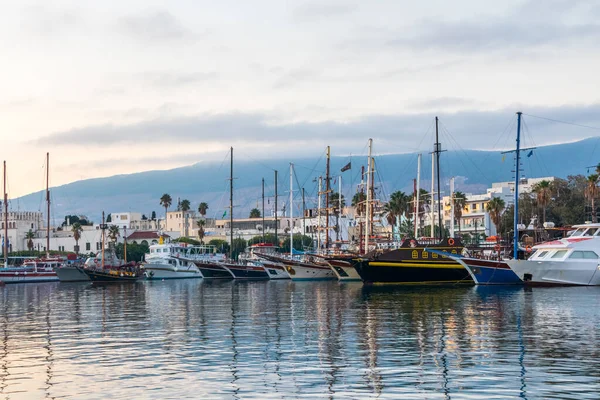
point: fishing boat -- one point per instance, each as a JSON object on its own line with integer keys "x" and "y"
{"x": 176, "y": 260}
{"x": 32, "y": 271}
{"x": 74, "y": 272}
{"x": 573, "y": 260}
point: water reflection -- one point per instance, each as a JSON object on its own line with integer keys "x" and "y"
{"x": 297, "y": 339}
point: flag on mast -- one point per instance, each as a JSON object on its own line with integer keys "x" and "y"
{"x": 346, "y": 167}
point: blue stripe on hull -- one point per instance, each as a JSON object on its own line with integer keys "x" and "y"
{"x": 495, "y": 276}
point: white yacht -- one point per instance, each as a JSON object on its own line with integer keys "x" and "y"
{"x": 178, "y": 260}
{"x": 275, "y": 269}
{"x": 574, "y": 260}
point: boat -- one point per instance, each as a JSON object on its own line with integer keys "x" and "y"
{"x": 569, "y": 261}
{"x": 303, "y": 268}
{"x": 276, "y": 270}
{"x": 343, "y": 268}
{"x": 74, "y": 272}
{"x": 246, "y": 271}
{"x": 32, "y": 271}
{"x": 124, "y": 273}
{"x": 176, "y": 260}
{"x": 213, "y": 270}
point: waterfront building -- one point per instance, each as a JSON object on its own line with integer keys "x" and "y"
{"x": 19, "y": 223}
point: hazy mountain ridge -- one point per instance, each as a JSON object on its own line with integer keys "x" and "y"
{"x": 140, "y": 192}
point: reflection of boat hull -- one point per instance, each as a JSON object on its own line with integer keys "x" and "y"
{"x": 103, "y": 275}
{"x": 344, "y": 270}
{"x": 556, "y": 273}
{"x": 71, "y": 274}
{"x": 213, "y": 271}
{"x": 249, "y": 272}
{"x": 167, "y": 271}
{"x": 26, "y": 275}
{"x": 489, "y": 272}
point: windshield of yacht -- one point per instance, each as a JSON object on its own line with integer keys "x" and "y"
{"x": 579, "y": 232}
{"x": 559, "y": 254}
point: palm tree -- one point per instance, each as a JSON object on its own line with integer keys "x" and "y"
{"x": 185, "y": 205}
{"x": 460, "y": 202}
{"x": 543, "y": 191}
{"x": 591, "y": 192}
{"x": 398, "y": 204}
{"x": 334, "y": 202}
{"x": 166, "y": 202}
{"x": 358, "y": 202}
{"x": 495, "y": 207}
{"x": 201, "y": 223}
{"x": 254, "y": 213}
{"x": 77, "y": 229}
{"x": 29, "y": 236}
{"x": 202, "y": 207}
{"x": 113, "y": 232}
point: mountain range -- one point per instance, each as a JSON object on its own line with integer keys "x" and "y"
{"x": 209, "y": 182}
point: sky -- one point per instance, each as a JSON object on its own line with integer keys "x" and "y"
{"x": 120, "y": 87}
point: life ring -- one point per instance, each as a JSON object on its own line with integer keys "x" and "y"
{"x": 451, "y": 242}
{"x": 413, "y": 243}
{"x": 497, "y": 247}
{"x": 528, "y": 248}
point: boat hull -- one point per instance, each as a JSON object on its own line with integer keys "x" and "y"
{"x": 107, "y": 276}
{"x": 14, "y": 275}
{"x": 489, "y": 272}
{"x": 71, "y": 274}
{"x": 344, "y": 271}
{"x": 167, "y": 271}
{"x": 248, "y": 272}
{"x": 275, "y": 271}
{"x": 213, "y": 271}
{"x": 309, "y": 273}
{"x": 557, "y": 273}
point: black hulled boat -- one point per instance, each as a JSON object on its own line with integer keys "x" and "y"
{"x": 211, "y": 270}
{"x": 250, "y": 272}
{"x": 412, "y": 264}
{"x": 123, "y": 273}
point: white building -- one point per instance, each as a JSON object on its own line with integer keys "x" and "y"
{"x": 18, "y": 224}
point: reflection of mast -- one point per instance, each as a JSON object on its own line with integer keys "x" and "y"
{"x": 234, "y": 361}
{"x": 50, "y": 356}
{"x": 48, "y": 204}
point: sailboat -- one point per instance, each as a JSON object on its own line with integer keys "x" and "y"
{"x": 33, "y": 270}
{"x": 412, "y": 262}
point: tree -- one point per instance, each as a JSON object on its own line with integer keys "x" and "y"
{"x": 358, "y": 202}
{"x": 460, "y": 202}
{"x": 201, "y": 232}
{"x": 543, "y": 191}
{"x": 239, "y": 246}
{"x": 166, "y": 202}
{"x": 254, "y": 213}
{"x": 268, "y": 238}
{"x": 495, "y": 207}
{"x": 29, "y": 236}
{"x": 153, "y": 216}
{"x": 202, "y": 208}
{"x": 113, "y": 232}
{"x": 144, "y": 218}
{"x": 398, "y": 204}
{"x": 301, "y": 243}
{"x": 187, "y": 240}
{"x": 185, "y": 205}
{"x": 591, "y": 192}
{"x": 77, "y": 229}
{"x": 135, "y": 251}
{"x": 221, "y": 245}
{"x": 334, "y": 202}
{"x": 108, "y": 218}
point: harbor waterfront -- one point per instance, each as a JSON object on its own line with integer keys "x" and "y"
{"x": 285, "y": 339}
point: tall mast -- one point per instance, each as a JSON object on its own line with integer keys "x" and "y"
{"x": 276, "y": 222}
{"x": 368, "y": 208}
{"x": 304, "y": 219}
{"x": 48, "y": 203}
{"x": 432, "y": 199}
{"x": 452, "y": 207}
{"x": 291, "y": 209}
{"x": 372, "y": 190}
{"x": 5, "y": 241}
{"x": 327, "y": 189}
{"x": 319, "y": 212}
{"x": 417, "y": 199}
{"x": 337, "y": 220}
{"x": 517, "y": 161}
{"x": 231, "y": 204}
{"x": 125, "y": 244}
{"x": 438, "y": 149}
{"x": 263, "y": 209}
{"x": 103, "y": 227}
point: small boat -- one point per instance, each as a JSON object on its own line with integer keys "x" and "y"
{"x": 32, "y": 271}
{"x": 124, "y": 273}
{"x": 246, "y": 271}
{"x": 343, "y": 267}
{"x": 213, "y": 270}
{"x": 176, "y": 260}
{"x": 276, "y": 270}
{"x": 573, "y": 260}
{"x": 306, "y": 268}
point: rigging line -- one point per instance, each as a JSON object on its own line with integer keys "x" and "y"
{"x": 445, "y": 130}
{"x": 504, "y": 134}
{"x": 528, "y": 135}
{"x": 564, "y": 122}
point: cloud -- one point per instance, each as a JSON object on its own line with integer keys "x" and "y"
{"x": 395, "y": 133}
{"x": 318, "y": 10}
{"x": 154, "y": 26}
{"x": 177, "y": 79}
{"x": 48, "y": 20}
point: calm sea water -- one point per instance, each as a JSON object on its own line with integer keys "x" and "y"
{"x": 194, "y": 339}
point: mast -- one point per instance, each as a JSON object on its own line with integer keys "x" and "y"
{"x": 337, "y": 220}
{"x": 263, "y": 209}
{"x": 319, "y": 212}
{"x": 5, "y": 241}
{"x": 103, "y": 227}
{"x": 276, "y": 222}
{"x": 291, "y": 209}
{"x": 432, "y": 211}
{"x": 327, "y": 190}
{"x": 304, "y": 218}
{"x": 125, "y": 244}
{"x": 231, "y": 204}
{"x": 417, "y": 200}
{"x": 438, "y": 149}
{"x": 452, "y": 207}
{"x": 48, "y": 203}
{"x": 368, "y": 208}
{"x": 516, "y": 217}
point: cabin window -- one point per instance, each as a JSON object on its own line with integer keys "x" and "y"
{"x": 541, "y": 254}
{"x": 578, "y": 232}
{"x": 559, "y": 254}
{"x": 587, "y": 255}
{"x": 589, "y": 232}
